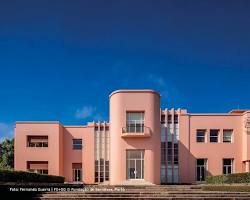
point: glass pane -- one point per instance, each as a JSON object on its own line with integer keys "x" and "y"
{"x": 135, "y": 154}
{"x": 138, "y": 169}
{"x": 213, "y": 139}
{"x": 227, "y": 161}
{"x": 131, "y": 169}
{"x": 224, "y": 170}
{"x": 136, "y": 116}
{"x": 200, "y": 161}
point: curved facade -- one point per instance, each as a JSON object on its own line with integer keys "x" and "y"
{"x": 123, "y": 103}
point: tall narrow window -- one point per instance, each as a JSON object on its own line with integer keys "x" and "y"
{"x": 200, "y": 136}
{"x": 176, "y": 119}
{"x": 77, "y": 144}
{"x": 227, "y": 136}
{"x": 163, "y": 118}
{"x": 227, "y": 166}
{"x": 169, "y": 119}
{"x": 101, "y": 170}
{"x": 201, "y": 169}
{"x": 96, "y": 171}
{"x": 214, "y": 135}
{"x": 135, "y": 122}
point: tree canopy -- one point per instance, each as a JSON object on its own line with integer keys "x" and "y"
{"x": 7, "y": 154}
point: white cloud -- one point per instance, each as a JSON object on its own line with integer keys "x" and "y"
{"x": 85, "y": 112}
{"x": 6, "y": 131}
{"x": 159, "y": 81}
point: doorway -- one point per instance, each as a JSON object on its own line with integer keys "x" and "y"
{"x": 135, "y": 164}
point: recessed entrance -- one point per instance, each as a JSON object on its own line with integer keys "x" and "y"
{"x": 135, "y": 164}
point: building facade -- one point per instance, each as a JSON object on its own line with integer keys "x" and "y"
{"x": 141, "y": 142}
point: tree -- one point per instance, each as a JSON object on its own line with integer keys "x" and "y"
{"x": 7, "y": 154}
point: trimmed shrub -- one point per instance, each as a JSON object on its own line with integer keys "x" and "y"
{"x": 22, "y": 176}
{"x": 229, "y": 178}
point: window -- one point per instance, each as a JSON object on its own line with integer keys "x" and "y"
{"x": 77, "y": 144}
{"x": 96, "y": 171}
{"x": 176, "y": 159}
{"x": 169, "y": 148}
{"x": 169, "y": 119}
{"x": 200, "y": 136}
{"x": 40, "y": 167}
{"x": 101, "y": 128}
{"x": 106, "y": 170}
{"x": 227, "y": 136}
{"x": 135, "y": 122}
{"x": 227, "y": 166}
{"x": 163, "y": 153}
{"x": 214, "y": 135}
{"x": 176, "y": 119}
{"x": 163, "y": 119}
{"x": 37, "y": 141}
{"x": 107, "y": 128}
{"x": 96, "y": 128}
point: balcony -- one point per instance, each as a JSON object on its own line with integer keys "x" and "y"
{"x": 136, "y": 130}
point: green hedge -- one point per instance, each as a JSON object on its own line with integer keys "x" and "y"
{"x": 229, "y": 178}
{"x": 22, "y": 176}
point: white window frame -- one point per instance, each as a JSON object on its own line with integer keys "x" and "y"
{"x": 227, "y": 166}
{"x": 203, "y": 131}
{"x": 231, "y": 136}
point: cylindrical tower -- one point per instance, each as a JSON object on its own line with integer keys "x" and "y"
{"x": 135, "y": 136}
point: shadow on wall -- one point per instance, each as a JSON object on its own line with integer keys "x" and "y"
{"x": 191, "y": 169}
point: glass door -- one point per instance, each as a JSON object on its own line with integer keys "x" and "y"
{"x": 135, "y": 164}
{"x": 77, "y": 175}
{"x": 201, "y": 169}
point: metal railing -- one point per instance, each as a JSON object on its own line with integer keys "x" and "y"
{"x": 135, "y": 128}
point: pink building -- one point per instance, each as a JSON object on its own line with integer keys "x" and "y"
{"x": 140, "y": 143}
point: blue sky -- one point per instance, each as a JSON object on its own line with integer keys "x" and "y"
{"x": 59, "y": 60}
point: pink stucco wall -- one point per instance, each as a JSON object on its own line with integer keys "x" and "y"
{"x": 121, "y": 102}
{"x": 190, "y": 150}
{"x": 60, "y": 154}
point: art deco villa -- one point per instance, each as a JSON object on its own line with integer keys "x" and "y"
{"x": 141, "y": 142}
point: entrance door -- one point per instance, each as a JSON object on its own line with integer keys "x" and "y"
{"x": 77, "y": 175}
{"x": 201, "y": 169}
{"x": 77, "y": 172}
{"x": 135, "y": 164}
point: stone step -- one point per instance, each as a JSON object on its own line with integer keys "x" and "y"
{"x": 149, "y": 198}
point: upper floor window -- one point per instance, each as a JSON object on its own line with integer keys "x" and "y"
{"x": 214, "y": 133}
{"x": 101, "y": 128}
{"x": 77, "y": 144}
{"x": 176, "y": 119}
{"x": 163, "y": 118}
{"x": 169, "y": 119}
{"x": 37, "y": 141}
{"x": 227, "y": 136}
{"x": 96, "y": 128}
{"x": 200, "y": 136}
{"x": 135, "y": 122}
{"x": 227, "y": 166}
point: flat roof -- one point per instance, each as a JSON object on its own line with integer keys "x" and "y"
{"x": 38, "y": 122}
{"x": 135, "y": 91}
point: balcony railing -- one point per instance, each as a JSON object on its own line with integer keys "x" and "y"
{"x": 136, "y": 130}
